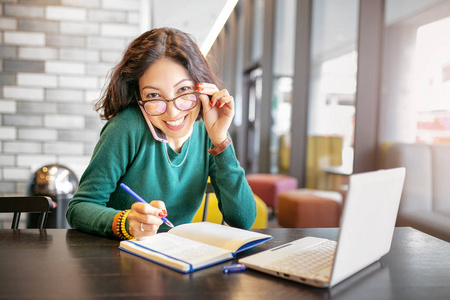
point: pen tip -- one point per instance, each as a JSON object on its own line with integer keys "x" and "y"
{"x": 168, "y": 223}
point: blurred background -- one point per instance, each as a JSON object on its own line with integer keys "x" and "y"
{"x": 321, "y": 86}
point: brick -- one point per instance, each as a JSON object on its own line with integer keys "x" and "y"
{"x": 65, "y": 13}
{"x": 22, "y": 147}
{"x": 94, "y": 123}
{"x": 102, "y": 15}
{"x": 22, "y": 120}
{"x": 79, "y": 55}
{"x": 37, "y": 134}
{"x": 101, "y": 69}
{"x": 24, "y": 38}
{"x": 8, "y": 23}
{"x": 64, "y": 121}
{"x": 16, "y": 173}
{"x": 121, "y": 4}
{"x": 111, "y": 56}
{"x": 8, "y": 133}
{"x": 81, "y": 3}
{"x": 7, "y": 160}
{"x": 119, "y": 30}
{"x": 23, "y": 65}
{"x": 61, "y": 67}
{"x": 27, "y": 107}
{"x": 7, "y": 78}
{"x": 27, "y": 11}
{"x": 63, "y": 148}
{"x": 85, "y": 82}
{"x": 8, "y": 106}
{"x": 8, "y": 51}
{"x": 106, "y": 43}
{"x": 39, "y": 80}
{"x": 65, "y": 41}
{"x": 133, "y": 18}
{"x": 77, "y": 109}
{"x": 79, "y": 28}
{"x": 89, "y": 148}
{"x": 41, "y": 53}
{"x": 77, "y": 164}
{"x": 23, "y": 93}
{"x": 92, "y": 97}
{"x": 60, "y": 95}
{"x": 35, "y": 161}
{"x": 7, "y": 187}
{"x": 78, "y": 135}
{"x": 38, "y": 25}
{"x": 40, "y": 2}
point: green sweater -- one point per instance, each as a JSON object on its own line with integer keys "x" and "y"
{"x": 126, "y": 152}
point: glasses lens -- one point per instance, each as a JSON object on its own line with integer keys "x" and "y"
{"x": 186, "y": 102}
{"x": 155, "y": 107}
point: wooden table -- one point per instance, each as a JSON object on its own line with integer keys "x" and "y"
{"x": 68, "y": 264}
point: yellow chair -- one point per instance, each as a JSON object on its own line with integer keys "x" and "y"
{"x": 214, "y": 215}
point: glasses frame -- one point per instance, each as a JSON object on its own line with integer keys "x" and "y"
{"x": 142, "y": 103}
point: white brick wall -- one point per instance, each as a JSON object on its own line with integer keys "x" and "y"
{"x": 82, "y": 82}
{"x": 39, "y": 53}
{"x": 24, "y": 38}
{"x": 8, "y": 23}
{"x": 23, "y": 93}
{"x": 56, "y": 55}
{"x": 64, "y": 95}
{"x": 119, "y": 30}
{"x": 38, "y": 80}
{"x": 64, "y": 121}
{"x": 65, "y": 13}
{"x": 8, "y": 133}
{"x": 8, "y": 106}
{"x": 38, "y": 134}
{"x": 65, "y": 67}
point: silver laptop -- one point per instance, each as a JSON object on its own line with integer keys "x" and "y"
{"x": 365, "y": 235}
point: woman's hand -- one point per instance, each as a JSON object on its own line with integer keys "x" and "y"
{"x": 217, "y": 112}
{"x": 144, "y": 219}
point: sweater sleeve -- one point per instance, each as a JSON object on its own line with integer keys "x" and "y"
{"x": 89, "y": 210}
{"x": 235, "y": 197}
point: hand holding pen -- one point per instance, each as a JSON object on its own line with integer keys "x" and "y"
{"x": 144, "y": 220}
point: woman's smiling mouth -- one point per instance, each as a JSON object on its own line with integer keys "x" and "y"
{"x": 176, "y": 123}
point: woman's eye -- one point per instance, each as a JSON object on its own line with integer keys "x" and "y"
{"x": 185, "y": 89}
{"x": 152, "y": 96}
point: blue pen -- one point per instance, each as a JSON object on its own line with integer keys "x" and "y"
{"x": 138, "y": 198}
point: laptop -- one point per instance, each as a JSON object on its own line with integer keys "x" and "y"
{"x": 365, "y": 235}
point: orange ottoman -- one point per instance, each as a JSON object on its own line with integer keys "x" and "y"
{"x": 305, "y": 208}
{"x": 269, "y": 186}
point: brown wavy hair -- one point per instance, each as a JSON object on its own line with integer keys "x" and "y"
{"x": 123, "y": 85}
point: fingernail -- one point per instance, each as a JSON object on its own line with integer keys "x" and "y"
{"x": 220, "y": 105}
{"x": 210, "y": 103}
{"x": 199, "y": 89}
{"x": 162, "y": 214}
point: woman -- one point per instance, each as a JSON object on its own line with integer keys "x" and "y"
{"x": 166, "y": 134}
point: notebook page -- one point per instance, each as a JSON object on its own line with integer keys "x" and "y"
{"x": 225, "y": 237}
{"x": 192, "y": 252}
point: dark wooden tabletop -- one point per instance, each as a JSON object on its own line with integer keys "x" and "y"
{"x": 68, "y": 264}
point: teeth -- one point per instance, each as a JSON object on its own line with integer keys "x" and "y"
{"x": 175, "y": 123}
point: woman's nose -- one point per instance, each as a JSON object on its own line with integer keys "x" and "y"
{"x": 171, "y": 109}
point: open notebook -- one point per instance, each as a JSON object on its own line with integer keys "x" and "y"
{"x": 365, "y": 235}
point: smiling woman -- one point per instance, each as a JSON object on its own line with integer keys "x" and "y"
{"x": 167, "y": 132}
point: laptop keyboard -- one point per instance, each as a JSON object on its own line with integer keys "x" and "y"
{"x": 307, "y": 263}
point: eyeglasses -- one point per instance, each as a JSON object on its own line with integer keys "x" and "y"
{"x": 158, "y": 106}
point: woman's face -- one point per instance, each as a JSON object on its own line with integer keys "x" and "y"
{"x": 168, "y": 79}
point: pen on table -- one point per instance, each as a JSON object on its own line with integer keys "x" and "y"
{"x": 138, "y": 198}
